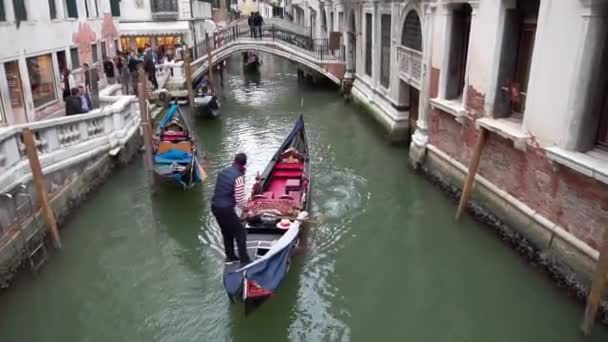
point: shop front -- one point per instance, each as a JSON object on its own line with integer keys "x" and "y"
{"x": 137, "y": 35}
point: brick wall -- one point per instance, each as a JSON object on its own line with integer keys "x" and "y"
{"x": 576, "y": 202}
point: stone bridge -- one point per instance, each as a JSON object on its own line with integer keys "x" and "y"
{"x": 279, "y": 38}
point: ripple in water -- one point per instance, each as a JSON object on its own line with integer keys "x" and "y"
{"x": 339, "y": 197}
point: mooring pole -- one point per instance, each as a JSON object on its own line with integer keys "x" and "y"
{"x": 188, "y": 69}
{"x": 468, "y": 185}
{"x": 146, "y": 125}
{"x": 598, "y": 286}
{"x": 209, "y": 57}
{"x": 43, "y": 196}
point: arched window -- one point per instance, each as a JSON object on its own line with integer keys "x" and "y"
{"x": 411, "y": 36}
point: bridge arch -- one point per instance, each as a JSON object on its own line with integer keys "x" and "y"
{"x": 325, "y": 68}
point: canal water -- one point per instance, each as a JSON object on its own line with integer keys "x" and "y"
{"x": 387, "y": 263}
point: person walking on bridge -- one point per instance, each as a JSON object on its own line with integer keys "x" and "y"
{"x": 258, "y": 21}
{"x": 228, "y": 197}
{"x": 252, "y": 32}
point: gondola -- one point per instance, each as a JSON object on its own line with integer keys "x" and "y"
{"x": 174, "y": 151}
{"x": 273, "y": 221}
{"x": 251, "y": 61}
{"x": 205, "y": 102}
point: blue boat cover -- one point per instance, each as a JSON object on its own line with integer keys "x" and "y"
{"x": 170, "y": 113}
{"x": 267, "y": 271}
{"x": 173, "y": 156}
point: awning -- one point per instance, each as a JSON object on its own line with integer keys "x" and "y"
{"x": 159, "y": 28}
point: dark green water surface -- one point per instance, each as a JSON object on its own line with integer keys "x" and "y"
{"x": 387, "y": 264}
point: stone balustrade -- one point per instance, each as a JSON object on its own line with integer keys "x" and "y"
{"x": 64, "y": 141}
{"x": 410, "y": 65}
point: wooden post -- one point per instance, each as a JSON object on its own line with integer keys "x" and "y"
{"x": 188, "y": 69}
{"x": 598, "y": 286}
{"x": 145, "y": 118}
{"x": 468, "y": 185}
{"x": 209, "y": 58}
{"x": 43, "y": 196}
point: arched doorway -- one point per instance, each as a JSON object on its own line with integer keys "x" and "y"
{"x": 351, "y": 63}
{"x": 411, "y": 49}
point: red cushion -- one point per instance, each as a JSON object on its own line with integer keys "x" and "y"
{"x": 287, "y": 174}
{"x": 287, "y": 166}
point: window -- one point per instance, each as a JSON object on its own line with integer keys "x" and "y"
{"x": 20, "y": 10}
{"x": 459, "y": 46}
{"x": 104, "y": 52}
{"x": 15, "y": 90}
{"x": 94, "y": 53}
{"x": 116, "y": 46}
{"x": 52, "y": 9}
{"x": 341, "y": 21}
{"x": 2, "y": 11}
{"x": 86, "y": 8}
{"x": 96, "y": 8}
{"x": 331, "y": 22}
{"x": 115, "y": 8}
{"x": 385, "y": 50}
{"x": 61, "y": 60}
{"x": 516, "y": 58}
{"x": 42, "y": 83}
{"x": 602, "y": 136}
{"x": 71, "y": 9}
{"x": 75, "y": 58}
{"x": 411, "y": 37}
{"x": 368, "y": 44}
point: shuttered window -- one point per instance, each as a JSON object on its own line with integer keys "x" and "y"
{"x": 52, "y": 9}
{"x": 385, "y": 50}
{"x": 2, "y": 11}
{"x": 20, "y": 10}
{"x": 411, "y": 36}
{"x": 368, "y": 44}
{"x": 115, "y": 8}
{"x": 71, "y": 8}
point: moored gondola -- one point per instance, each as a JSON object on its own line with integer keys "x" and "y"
{"x": 175, "y": 152}
{"x": 206, "y": 103}
{"x": 274, "y": 215}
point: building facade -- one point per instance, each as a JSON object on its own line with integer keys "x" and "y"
{"x": 441, "y": 71}
{"x": 164, "y": 23}
{"x": 42, "y": 38}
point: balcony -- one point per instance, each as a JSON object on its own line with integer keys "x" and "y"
{"x": 164, "y": 9}
{"x": 410, "y": 65}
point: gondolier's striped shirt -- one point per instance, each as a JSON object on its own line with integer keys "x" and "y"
{"x": 239, "y": 192}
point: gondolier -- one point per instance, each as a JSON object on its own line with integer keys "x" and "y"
{"x": 229, "y": 195}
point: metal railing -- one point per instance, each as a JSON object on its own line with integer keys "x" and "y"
{"x": 317, "y": 48}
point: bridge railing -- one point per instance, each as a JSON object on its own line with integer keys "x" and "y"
{"x": 317, "y": 48}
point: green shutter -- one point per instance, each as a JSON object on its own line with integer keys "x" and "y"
{"x": 20, "y": 11}
{"x": 2, "y": 12}
{"x": 52, "y": 9}
{"x": 115, "y": 7}
{"x": 72, "y": 9}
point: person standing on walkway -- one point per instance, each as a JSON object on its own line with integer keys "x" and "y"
{"x": 150, "y": 68}
{"x": 258, "y": 21}
{"x": 123, "y": 74}
{"x": 73, "y": 103}
{"x": 250, "y": 22}
{"x": 229, "y": 196}
{"x": 108, "y": 69}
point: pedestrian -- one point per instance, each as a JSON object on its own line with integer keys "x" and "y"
{"x": 73, "y": 103}
{"x": 252, "y": 32}
{"x": 258, "y": 21}
{"x": 229, "y": 196}
{"x": 87, "y": 76}
{"x": 150, "y": 68}
{"x": 108, "y": 69}
{"x": 123, "y": 74}
{"x": 133, "y": 66}
{"x": 68, "y": 81}
{"x": 85, "y": 99}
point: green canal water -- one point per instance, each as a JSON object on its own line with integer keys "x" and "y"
{"x": 388, "y": 263}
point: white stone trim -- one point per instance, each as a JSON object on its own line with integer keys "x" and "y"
{"x": 592, "y": 164}
{"x": 452, "y": 107}
{"x": 508, "y": 128}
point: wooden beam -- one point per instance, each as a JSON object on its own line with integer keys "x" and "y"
{"x": 188, "y": 70}
{"x": 146, "y": 124}
{"x": 598, "y": 286}
{"x": 473, "y": 166}
{"x": 43, "y": 197}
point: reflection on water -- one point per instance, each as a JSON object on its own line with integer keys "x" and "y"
{"x": 386, "y": 263}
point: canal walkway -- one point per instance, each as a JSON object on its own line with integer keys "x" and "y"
{"x": 389, "y": 263}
